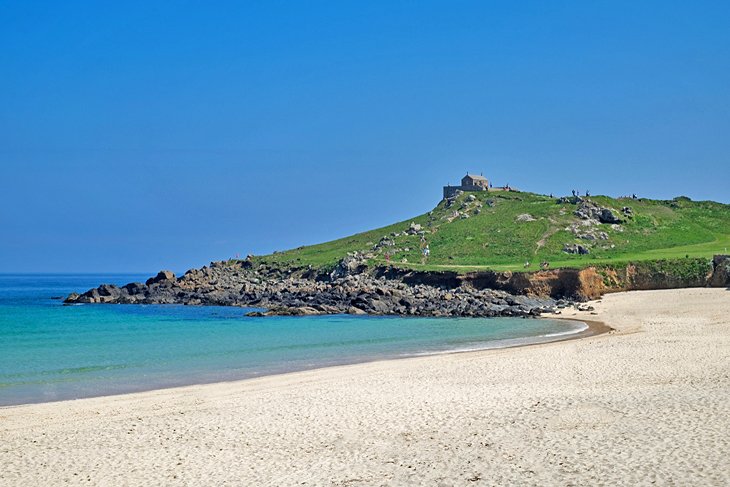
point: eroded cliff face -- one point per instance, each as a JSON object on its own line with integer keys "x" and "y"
{"x": 663, "y": 274}
{"x": 583, "y": 284}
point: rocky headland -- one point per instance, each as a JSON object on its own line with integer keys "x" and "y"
{"x": 355, "y": 288}
{"x": 348, "y": 289}
{"x": 375, "y": 272}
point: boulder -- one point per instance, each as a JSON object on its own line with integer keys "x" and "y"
{"x": 161, "y": 276}
{"x": 352, "y": 264}
{"x": 592, "y": 236}
{"x": 326, "y": 309}
{"x": 414, "y": 228}
{"x": 576, "y": 249}
{"x": 109, "y": 290}
{"x": 135, "y": 288}
{"x": 90, "y": 296}
{"x": 525, "y": 217}
{"x": 384, "y": 242}
{"x": 607, "y": 216}
{"x": 721, "y": 271}
{"x": 306, "y": 311}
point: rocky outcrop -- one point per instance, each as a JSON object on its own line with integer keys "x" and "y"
{"x": 592, "y": 220}
{"x": 589, "y": 210}
{"x": 355, "y": 263}
{"x": 348, "y": 289}
{"x": 353, "y": 288}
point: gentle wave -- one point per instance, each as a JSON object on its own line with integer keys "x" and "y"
{"x": 66, "y": 371}
{"x": 506, "y": 343}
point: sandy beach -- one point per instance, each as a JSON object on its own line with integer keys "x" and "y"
{"x": 648, "y": 403}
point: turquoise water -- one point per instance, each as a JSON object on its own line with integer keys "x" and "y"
{"x": 50, "y": 352}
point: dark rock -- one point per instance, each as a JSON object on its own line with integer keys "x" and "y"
{"x": 350, "y": 265}
{"x": 414, "y": 228}
{"x": 135, "y": 288}
{"x": 109, "y": 290}
{"x": 349, "y": 290}
{"x": 607, "y": 216}
{"x": 161, "y": 276}
{"x": 576, "y": 249}
{"x": 72, "y": 298}
{"x": 720, "y": 271}
{"x": 573, "y": 200}
{"x": 588, "y": 210}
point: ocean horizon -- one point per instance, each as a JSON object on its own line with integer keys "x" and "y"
{"x": 51, "y": 352}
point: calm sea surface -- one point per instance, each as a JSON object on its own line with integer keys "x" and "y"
{"x": 49, "y": 351}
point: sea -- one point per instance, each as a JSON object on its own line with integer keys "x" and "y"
{"x": 50, "y": 351}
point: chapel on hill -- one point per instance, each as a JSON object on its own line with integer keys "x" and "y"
{"x": 470, "y": 182}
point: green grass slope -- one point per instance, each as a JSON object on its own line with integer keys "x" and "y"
{"x": 483, "y": 230}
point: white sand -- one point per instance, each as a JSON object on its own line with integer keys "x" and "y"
{"x": 649, "y": 403}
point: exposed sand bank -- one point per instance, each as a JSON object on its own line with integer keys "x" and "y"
{"x": 647, "y": 403}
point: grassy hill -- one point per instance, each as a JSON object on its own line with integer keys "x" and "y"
{"x": 504, "y": 230}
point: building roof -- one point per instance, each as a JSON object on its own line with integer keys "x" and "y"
{"x": 474, "y": 176}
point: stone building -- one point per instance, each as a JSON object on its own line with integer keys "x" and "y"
{"x": 470, "y": 182}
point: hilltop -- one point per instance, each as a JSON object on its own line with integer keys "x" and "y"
{"x": 505, "y": 230}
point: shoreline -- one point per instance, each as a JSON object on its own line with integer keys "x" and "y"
{"x": 649, "y": 405}
{"x": 594, "y": 328}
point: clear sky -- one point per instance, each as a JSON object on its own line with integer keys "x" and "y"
{"x": 136, "y": 136}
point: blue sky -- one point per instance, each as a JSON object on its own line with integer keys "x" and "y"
{"x": 135, "y": 137}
